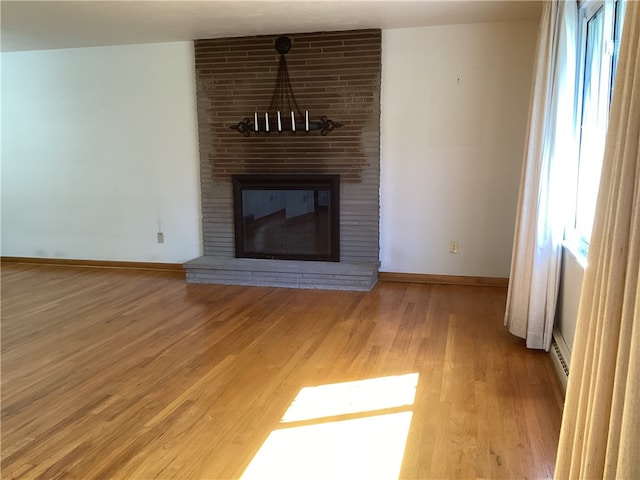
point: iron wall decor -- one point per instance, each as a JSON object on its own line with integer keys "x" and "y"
{"x": 283, "y": 114}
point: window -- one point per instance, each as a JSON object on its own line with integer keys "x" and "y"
{"x": 599, "y": 33}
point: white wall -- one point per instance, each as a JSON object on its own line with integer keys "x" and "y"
{"x": 454, "y": 107}
{"x": 99, "y": 152}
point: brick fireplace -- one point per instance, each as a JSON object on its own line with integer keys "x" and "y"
{"x": 332, "y": 73}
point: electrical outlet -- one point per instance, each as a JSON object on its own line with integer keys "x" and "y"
{"x": 453, "y": 246}
{"x": 160, "y": 237}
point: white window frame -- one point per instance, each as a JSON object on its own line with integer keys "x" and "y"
{"x": 576, "y": 240}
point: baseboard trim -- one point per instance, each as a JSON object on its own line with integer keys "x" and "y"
{"x": 443, "y": 279}
{"x": 122, "y": 265}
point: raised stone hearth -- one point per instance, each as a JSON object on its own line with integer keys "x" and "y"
{"x": 282, "y": 273}
{"x": 332, "y": 73}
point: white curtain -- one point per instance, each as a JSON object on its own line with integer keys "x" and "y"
{"x": 542, "y": 206}
{"x": 600, "y": 435}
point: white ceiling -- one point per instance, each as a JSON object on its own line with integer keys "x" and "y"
{"x": 39, "y": 25}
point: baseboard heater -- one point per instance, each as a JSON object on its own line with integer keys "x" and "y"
{"x": 560, "y": 357}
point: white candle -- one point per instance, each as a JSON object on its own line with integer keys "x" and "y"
{"x": 255, "y": 121}
{"x": 306, "y": 120}
{"x": 279, "y": 122}
{"x": 293, "y": 122}
{"x": 266, "y": 121}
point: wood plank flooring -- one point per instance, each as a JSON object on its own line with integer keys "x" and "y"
{"x": 114, "y": 374}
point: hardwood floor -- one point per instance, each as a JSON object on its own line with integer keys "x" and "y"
{"x": 113, "y": 374}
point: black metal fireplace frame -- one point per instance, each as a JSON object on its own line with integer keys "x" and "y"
{"x": 288, "y": 182}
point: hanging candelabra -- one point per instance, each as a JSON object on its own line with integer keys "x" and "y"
{"x": 283, "y": 114}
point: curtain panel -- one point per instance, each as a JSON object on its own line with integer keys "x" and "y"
{"x": 600, "y": 435}
{"x": 542, "y": 207}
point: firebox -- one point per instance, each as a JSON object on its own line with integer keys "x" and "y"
{"x": 287, "y": 217}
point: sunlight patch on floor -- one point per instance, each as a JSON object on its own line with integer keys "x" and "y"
{"x": 352, "y": 397}
{"x": 368, "y": 447}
